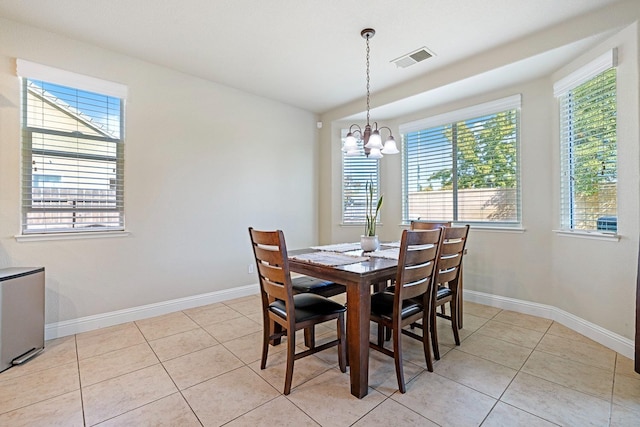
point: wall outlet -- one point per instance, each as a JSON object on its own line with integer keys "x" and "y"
{"x": 251, "y": 268}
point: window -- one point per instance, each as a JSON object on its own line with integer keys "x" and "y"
{"x": 588, "y": 144}
{"x": 463, "y": 166}
{"x": 356, "y": 172}
{"x": 73, "y": 152}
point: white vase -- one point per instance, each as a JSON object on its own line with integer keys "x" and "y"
{"x": 369, "y": 243}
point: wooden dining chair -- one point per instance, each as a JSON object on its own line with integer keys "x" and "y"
{"x": 292, "y": 312}
{"x": 447, "y": 280}
{"x": 429, "y": 225}
{"x": 410, "y": 299}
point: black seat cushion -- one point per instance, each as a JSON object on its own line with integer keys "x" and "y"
{"x": 443, "y": 292}
{"x": 308, "y": 306}
{"x": 326, "y": 288}
{"x": 382, "y": 305}
{"x": 309, "y": 284}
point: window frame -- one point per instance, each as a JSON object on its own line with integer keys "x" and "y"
{"x": 111, "y": 92}
{"x": 454, "y": 117}
{"x": 564, "y": 93}
{"x": 359, "y": 220}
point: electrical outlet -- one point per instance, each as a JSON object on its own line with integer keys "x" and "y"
{"x": 250, "y": 269}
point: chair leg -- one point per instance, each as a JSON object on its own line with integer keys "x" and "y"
{"x": 454, "y": 319}
{"x": 291, "y": 352}
{"x": 387, "y": 334}
{"x": 426, "y": 344}
{"x": 277, "y": 328}
{"x": 342, "y": 344}
{"x": 381, "y": 332}
{"x": 266, "y": 333}
{"x": 434, "y": 334}
{"x": 397, "y": 357}
{"x": 310, "y": 337}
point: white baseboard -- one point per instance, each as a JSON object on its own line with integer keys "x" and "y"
{"x": 597, "y": 333}
{"x": 607, "y": 338}
{"x": 89, "y": 323}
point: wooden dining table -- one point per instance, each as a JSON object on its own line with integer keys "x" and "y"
{"x": 358, "y": 278}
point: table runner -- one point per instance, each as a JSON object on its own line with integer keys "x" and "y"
{"x": 338, "y": 247}
{"x": 328, "y": 258}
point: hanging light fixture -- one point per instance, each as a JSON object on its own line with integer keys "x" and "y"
{"x": 372, "y": 140}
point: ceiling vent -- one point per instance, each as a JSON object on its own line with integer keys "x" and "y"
{"x": 413, "y": 58}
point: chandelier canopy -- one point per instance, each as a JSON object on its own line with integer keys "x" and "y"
{"x": 371, "y": 138}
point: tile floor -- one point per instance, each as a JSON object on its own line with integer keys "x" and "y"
{"x": 201, "y": 367}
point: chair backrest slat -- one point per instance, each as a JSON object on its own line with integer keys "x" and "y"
{"x": 428, "y": 225}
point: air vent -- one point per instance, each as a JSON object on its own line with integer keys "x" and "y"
{"x": 413, "y": 58}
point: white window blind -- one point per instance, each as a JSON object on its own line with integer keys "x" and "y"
{"x": 463, "y": 166}
{"x": 73, "y": 158}
{"x": 588, "y": 144}
{"x": 356, "y": 172}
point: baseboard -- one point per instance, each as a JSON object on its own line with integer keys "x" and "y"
{"x": 89, "y": 323}
{"x": 600, "y": 335}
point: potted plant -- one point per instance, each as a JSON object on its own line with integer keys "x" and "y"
{"x": 369, "y": 240}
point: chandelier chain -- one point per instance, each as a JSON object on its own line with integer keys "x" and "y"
{"x": 367, "y": 38}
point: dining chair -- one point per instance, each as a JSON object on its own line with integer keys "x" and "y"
{"x": 421, "y": 225}
{"x": 447, "y": 282}
{"x": 410, "y": 299}
{"x": 429, "y": 225}
{"x": 283, "y": 312}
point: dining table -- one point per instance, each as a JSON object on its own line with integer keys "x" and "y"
{"x": 359, "y": 272}
{"x": 358, "y": 277}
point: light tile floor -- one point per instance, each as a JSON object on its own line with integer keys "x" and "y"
{"x": 200, "y": 367}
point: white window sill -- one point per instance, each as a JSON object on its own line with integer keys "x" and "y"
{"x": 583, "y": 234}
{"x": 70, "y": 236}
{"x": 496, "y": 229}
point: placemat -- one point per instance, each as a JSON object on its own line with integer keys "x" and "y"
{"x": 392, "y": 253}
{"x": 391, "y": 244}
{"x": 328, "y": 258}
{"x": 338, "y": 247}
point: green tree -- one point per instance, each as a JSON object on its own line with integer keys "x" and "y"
{"x": 486, "y": 154}
{"x": 593, "y": 144}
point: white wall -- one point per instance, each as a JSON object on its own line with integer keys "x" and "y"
{"x": 202, "y": 163}
{"x": 593, "y": 281}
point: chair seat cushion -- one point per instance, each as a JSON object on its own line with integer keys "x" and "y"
{"x": 443, "y": 292}
{"x": 308, "y": 306}
{"x": 382, "y": 305}
{"x": 310, "y": 284}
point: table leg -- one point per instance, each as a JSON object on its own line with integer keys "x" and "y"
{"x": 358, "y": 319}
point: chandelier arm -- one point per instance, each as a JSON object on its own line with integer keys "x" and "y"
{"x": 359, "y": 130}
{"x": 384, "y": 127}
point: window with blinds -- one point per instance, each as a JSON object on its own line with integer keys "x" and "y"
{"x": 356, "y": 172}
{"x": 463, "y": 166}
{"x": 73, "y": 159}
{"x": 588, "y": 146}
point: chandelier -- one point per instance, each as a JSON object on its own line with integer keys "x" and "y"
{"x": 371, "y": 138}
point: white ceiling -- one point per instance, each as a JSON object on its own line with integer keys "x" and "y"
{"x": 305, "y": 53}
